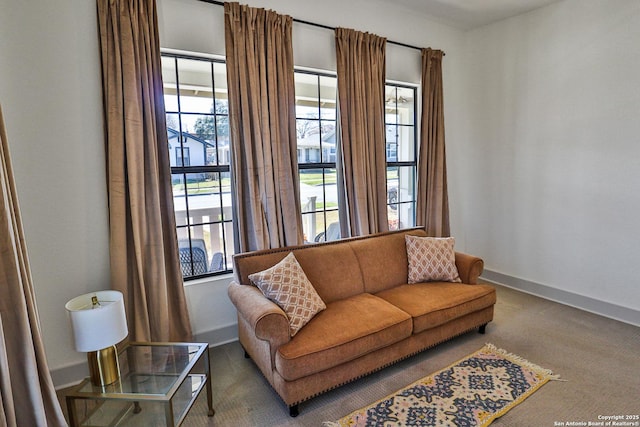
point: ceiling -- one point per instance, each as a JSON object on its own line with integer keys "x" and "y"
{"x": 469, "y": 14}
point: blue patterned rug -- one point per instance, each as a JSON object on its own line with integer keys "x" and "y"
{"x": 472, "y": 392}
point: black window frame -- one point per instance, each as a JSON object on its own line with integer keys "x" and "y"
{"x": 186, "y": 170}
{"x": 395, "y": 205}
{"x": 324, "y": 166}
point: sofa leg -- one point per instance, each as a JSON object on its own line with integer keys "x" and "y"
{"x": 246, "y": 355}
{"x": 482, "y": 329}
{"x": 294, "y": 411}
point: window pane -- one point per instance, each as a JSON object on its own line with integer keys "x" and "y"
{"x": 328, "y": 141}
{"x": 225, "y": 195}
{"x": 222, "y": 129}
{"x": 311, "y": 189}
{"x": 328, "y": 96}
{"x": 179, "y": 198}
{"x": 316, "y": 114}
{"x": 202, "y": 203}
{"x": 308, "y": 134}
{"x": 313, "y": 225}
{"x": 173, "y": 136}
{"x": 169, "y": 84}
{"x": 333, "y": 225}
{"x": 218, "y": 239}
{"x": 330, "y": 200}
{"x": 227, "y": 228}
{"x": 206, "y": 193}
{"x": 220, "y": 81}
{"x": 319, "y": 201}
{"x": 195, "y": 86}
{"x": 390, "y": 112}
{"x": 401, "y": 196}
{"x": 405, "y": 182}
{"x": 405, "y": 104}
{"x": 194, "y": 257}
{"x": 173, "y": 123}
{"x": 201, "y": 126}
{"x": 406, "y": 150}
{"x": 188, "y": 149}
{"x": 306, "y": 88}
{"x": 392, "y": 143}
{"x": 198, "y": 137}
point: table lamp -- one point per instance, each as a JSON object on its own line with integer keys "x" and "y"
{"x": 99, "y": 322}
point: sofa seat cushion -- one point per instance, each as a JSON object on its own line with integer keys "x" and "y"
{"x": 345, "y": 330}
{"x": 435, "y": 303}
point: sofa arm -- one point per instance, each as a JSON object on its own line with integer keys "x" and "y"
{"x": 268, "y": 321}
{"x": 469, "y": 267}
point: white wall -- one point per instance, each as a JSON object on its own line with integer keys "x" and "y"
{"x": 550, "y": 192}
{"x": 314, "y": 47}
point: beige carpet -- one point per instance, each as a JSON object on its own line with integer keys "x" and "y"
{"x": 599, "y": 358}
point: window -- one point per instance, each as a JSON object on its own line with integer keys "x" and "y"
{"x": 197, "y": 109}
{"x": 400, "y": 120}
{"x": 316, "y": 100}
{"x": 195, "y": 96}
{"x": 182, "y": 156}
{"x": 316, "y": 136}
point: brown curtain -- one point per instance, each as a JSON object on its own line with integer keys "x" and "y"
{"x": 361, "y": 144}
{"x": 27, "y": 396}
{"x": 432, "y": 205}
{"x": 143, "y": 242}
{"x": 262, "y": 128}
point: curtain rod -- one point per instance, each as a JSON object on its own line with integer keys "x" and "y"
{"x": 326, "y": 27}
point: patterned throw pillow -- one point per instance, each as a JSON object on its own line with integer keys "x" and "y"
{"x": 286, "y": 284}
{"x": 431, "y": 259}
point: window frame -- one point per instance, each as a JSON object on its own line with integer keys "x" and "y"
{"x": 413, "y": 163}
{"x": 323, "y": 165}
{"x": 408, "y": 203}
{"x": 186, "y": 170}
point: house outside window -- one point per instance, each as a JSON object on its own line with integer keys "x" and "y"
{"x": 196, "y": 103}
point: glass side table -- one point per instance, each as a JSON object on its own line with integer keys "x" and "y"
{"x": 159, "y": 384}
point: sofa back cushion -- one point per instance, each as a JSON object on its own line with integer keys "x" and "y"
{"x": 332, "y": 268}
{"x": 383, "y": 259}
{"x": 342, "y": 268}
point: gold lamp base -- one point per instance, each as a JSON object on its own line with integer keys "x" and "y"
{"x": 103, "y": 366}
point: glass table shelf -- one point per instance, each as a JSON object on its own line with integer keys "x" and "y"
{"x": 159, "y": 384}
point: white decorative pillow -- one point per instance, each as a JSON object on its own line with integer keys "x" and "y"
{"x": 286, "y": 284}
{"x": 431, "y": 259}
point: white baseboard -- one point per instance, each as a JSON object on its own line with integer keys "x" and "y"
{"x": 73, "y": 374}
{"x": 592, "y": 305}
{"x": 219, "y": 336}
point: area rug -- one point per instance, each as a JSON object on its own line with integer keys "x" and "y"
{"x": 471, "y": 392}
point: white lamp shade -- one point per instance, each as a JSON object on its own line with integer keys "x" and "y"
{"x": 95, "y": 328}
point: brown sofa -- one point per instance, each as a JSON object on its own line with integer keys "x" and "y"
{"x": 373, "y": 317}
